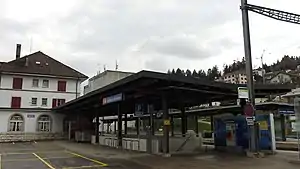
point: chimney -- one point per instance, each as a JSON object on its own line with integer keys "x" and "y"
{"x": 18, "y": 51}
{"x": 26, "y": 61}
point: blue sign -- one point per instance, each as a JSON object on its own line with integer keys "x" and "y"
{"x": 112, "y": 99}
{"x": 286, "y": 112}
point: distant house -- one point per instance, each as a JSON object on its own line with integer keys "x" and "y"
{"x": 282, "y": 78}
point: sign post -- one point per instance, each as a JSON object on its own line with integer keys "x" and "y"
{"x": 243, "y": 93}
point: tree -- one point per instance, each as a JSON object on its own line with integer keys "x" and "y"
{"x": 178, "y": 72}
{"x": 202, "y": 74}
{"x": 188, "y": 72}
{"x": 173, "y": 72}
{"x": 209, "y": 74}
{"x": 258, "y": 78}
{"x": 195, "y": 74}
{"x": 216, "y": 72}
{"x": 226, "y": 69}
{"x": 169, "y": 72}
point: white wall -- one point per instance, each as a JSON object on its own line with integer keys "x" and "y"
{"x": 7, "y": 81}
{"x": 281, "y": 78}
{"x": 104, "y": 79}
{"x": 28, "y": 92}
{"x": 30, "y": 124}
{"x": 6, "y": 95}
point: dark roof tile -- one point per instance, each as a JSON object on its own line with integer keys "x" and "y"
{"x": 40, "y": 63}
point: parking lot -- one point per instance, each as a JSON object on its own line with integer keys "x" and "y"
{"x": 44, "y": 156}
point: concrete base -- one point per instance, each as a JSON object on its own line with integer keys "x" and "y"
{"x": 26, "y": 136}
{"x": 250, "y": 154}
{"x": 166, "y": 155}
{"x": 261, "y": 155}
{"x": 255, "y": 154}
{"x": 295, "y": 161}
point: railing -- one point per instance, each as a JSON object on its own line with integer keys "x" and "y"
{"x": 131, "y": 144}
{"x": 111, "y": 142}
{"x": 184, "y": 143}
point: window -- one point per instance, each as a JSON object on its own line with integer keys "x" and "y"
{"x": 35, "y": 83}
{"x": 17, "y": 83}
{"x": 61, "y": 86}
{"x": 16, "y": 102}
{"x": 34, "y": 101}
{"x": 16, "y": 123}
{"x": 44, "y": 123}
{"x": 45, "y": 83}
{"x": 44, "y": 101}
{"x": 58, "y": 102}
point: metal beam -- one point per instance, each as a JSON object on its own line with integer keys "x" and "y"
{"x": 274, "y": 13}
{"x": 197, "y": 90}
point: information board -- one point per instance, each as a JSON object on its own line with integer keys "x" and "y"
{"x": 243, "y": 93}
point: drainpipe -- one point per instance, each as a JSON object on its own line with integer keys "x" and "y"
{"x": 77, "y": 87}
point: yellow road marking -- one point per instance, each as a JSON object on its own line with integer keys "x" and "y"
{"x": 45, "y": 162}
{"x": 91, "y": 166}
{"x": 81, "y": 156}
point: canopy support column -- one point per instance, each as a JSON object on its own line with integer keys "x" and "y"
{"x": 97, "y": 127}
{"x": 119, "y": 126}
{"x": 166, "y": 125}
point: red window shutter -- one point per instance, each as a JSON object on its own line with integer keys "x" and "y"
{"x": 17, "y": 83}
{"x": 16, "y": 102}
{"x": 61, "y": 86}
{"x": 54, "y": 102}
{"x": 63, "y": 101}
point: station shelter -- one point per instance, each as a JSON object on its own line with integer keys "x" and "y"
{"x": 152, "y": 96}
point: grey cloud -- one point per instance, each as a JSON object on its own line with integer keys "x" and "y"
{"x": 226, "y": 43}
{"x": 157, "y": 64}
{"x": 116, "y": 25}
{"x": 186, "y": 46}
{"x": 99, "y": 32}
{"x": 179, "y": 46}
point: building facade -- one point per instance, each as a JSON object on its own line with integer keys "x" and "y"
{"x": 235, "y": 78}
{"x": 29, "y": 87}
{"x": 281, "y": 78}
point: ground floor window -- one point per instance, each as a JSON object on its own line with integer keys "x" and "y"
{"x": 44, "y": 123}
{"x": 16, "y": 123}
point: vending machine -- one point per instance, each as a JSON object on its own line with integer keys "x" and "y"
{"x": 233, "y": 131}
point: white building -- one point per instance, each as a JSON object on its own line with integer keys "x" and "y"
{"x": 105, "y": 78}
{"x": 235, "y": 77}
{"x": 281, "y": 78}
{"x": 29, "y": 87}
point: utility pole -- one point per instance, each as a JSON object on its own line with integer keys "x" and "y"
{"x": 262, "y": 66}
{"x": 271, "y": 13}
{"x": 249, "y": 72}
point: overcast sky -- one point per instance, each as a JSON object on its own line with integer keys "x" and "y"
{"x": 143, "y": 34}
